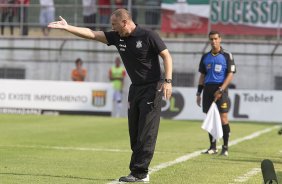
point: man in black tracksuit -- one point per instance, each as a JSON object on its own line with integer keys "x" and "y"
{"x": 139, "y": 49}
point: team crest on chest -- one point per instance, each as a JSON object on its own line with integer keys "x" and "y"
{"x": 138, "y": 44}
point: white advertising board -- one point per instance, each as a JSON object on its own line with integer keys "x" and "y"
{"x": 43, "y": 97}
{"x": 246, "y": 105}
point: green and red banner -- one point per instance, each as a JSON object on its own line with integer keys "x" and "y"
{"x": 230, "y": 17}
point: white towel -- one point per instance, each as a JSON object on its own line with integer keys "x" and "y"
{"x": 212, "y": 123}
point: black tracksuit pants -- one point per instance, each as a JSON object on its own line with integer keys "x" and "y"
{"x": 143, "y": 121}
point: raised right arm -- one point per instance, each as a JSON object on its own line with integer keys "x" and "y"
{"x": 79, "y": 31}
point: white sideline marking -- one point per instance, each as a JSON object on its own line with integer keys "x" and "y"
{"x": 74, "y": 148}
{"x": 197, "y": 153}
{"x": 67, "y": 148}
{"x": 246, "y": 176}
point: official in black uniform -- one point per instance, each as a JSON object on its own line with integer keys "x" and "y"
{"x": 139, "y": 49}
{"x": 216, "y": 68}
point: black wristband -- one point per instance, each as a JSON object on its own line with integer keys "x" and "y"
{"x": 200, "y": 89}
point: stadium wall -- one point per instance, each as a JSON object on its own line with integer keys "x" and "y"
{"x": 258, "y": 62}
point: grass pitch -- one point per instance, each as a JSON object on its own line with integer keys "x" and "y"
{"x": 87, "y": 149}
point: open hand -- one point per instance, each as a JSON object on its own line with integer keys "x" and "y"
{"x": 198, "y": 100}
{"x": 61, "y": 24}
{"x": 167, "y": 90}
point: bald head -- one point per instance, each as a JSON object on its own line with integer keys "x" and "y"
{"x": 122, "y": 14}
{"x": 122, "y": 23}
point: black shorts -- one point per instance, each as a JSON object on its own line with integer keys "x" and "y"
{"x": 223, "y": 104}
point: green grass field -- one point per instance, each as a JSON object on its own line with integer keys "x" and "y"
{"x": 87, "y": 149}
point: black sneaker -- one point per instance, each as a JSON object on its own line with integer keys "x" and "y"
{"x": 131, "y": 178}
{"x": 211, "y": 151}
{"x": 224, "y": 151}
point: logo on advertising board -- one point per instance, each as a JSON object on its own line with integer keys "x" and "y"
{"x": 251, "y": 17}
{"x": 99, "y": 98}
{"x": 172, "y": 107}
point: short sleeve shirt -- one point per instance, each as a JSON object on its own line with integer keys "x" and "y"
{"x": 216, "y": 67}
{"x": 139, "y": 53}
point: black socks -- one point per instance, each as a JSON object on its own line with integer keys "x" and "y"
{"x": 213, "y": 144}
{"x": 226, "y": 131}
